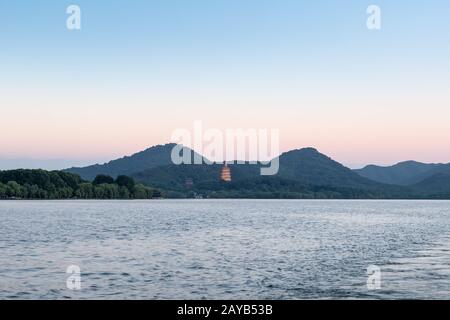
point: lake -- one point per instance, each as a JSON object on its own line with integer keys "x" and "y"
{"x": 225, "y": 249}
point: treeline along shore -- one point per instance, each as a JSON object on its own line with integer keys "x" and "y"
{"x": 42, "y": 184}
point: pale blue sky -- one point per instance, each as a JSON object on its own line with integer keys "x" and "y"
{"x": 140, "y": 69}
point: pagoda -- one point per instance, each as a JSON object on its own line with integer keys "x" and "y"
{"x": 225, "y": 174}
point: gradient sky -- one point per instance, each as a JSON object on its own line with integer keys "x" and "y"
{"x": 138, "y": 70}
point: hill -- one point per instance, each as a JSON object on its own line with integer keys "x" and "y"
{"x": 404, "y": 173}
{"x": 307, "y": 166}
{"x": 303, "y": 173}
{"x": 150, "y": 158}
{"x": 312, "y": 167}
{"x": 437, "y": 186}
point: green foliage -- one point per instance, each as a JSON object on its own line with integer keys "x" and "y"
{"x": 2, "y": 191}
{"x": 102, "y": 178}
{"x": 41, "y": 184}
{"x": 124, "y": 193}
{"x": 303, "y": 174}
{"x": 156, "y": 193}
{"x": 125, "y": 181}
{"x": 85, "y": 191}
{"x": 142, "y": 192}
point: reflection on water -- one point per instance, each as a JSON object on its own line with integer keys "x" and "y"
{"x": 224, "y": 249}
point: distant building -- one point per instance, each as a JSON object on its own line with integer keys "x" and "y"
{"x": 225, "y": 175}
{"x": 189, "y": 183}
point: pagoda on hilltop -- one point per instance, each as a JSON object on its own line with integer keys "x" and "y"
{"x": 225, "y": 174}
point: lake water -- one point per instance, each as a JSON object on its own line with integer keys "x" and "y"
{"x": 224, "y": 249}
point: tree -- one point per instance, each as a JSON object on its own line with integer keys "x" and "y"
{"x": 102, "y": 178}
{"x": 111, "y": 191}
{"x": 141, "y": 192}
{"x": 34, "y": 192}
{"x": 125, "y": 181}
{"x": 85, "y": 191}
{"x": 41, "y": 184}
{"x": 2, "y": 191}
{"x": 99, "y": 191}
{"x": 64, "y": 193}
{"x": 14, "y": 189}
{"x": 156, "y": 193}
{"x": 124, "y": 193}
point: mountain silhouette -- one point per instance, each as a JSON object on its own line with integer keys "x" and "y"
{"x": 436, "y": 186}
{"x": 404, "y": 173}
{"x": 312, "y": 167}
{"x": 156, "y": 156}
{"x": 303, "y": 173}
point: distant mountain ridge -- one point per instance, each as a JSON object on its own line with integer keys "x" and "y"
{"x": 303, "y": 173}
{"x": 403, "y": 173}
{"x": 307, "y": 166}
{"x": 438, "y": 185}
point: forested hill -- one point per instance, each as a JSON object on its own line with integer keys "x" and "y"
{"x": 403, "y": 173}
{"x": 303, "y": 173}
{"x": 153, "y": 157}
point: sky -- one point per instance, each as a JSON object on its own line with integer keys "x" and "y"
{"x": 137, "y": 71}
